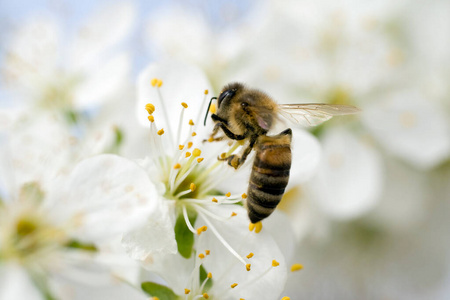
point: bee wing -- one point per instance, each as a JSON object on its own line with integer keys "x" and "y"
{"x": 313, "y": 114}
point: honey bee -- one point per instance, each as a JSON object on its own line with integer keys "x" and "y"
{"x": 247, "y": 115}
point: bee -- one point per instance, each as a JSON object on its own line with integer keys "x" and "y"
{"x": 245, "y": 114}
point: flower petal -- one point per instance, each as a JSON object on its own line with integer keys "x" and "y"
{"x": 107, "y": 194}
{"x": 16, "y": 284}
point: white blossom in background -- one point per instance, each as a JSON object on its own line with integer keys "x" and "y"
{"x": 45, "y": 68}
{"x": 51, "y": 236}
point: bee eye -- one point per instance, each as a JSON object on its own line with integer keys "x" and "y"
{"x": 244, "y": 104}
{"x": 226, "y": 95}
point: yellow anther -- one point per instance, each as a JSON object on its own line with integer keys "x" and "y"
{"x": 184, "y": 104}
{"x": 234, "y": 285}
{"x": 241, "y": 299}
{"x": 213, "y": 108}
{"x": 211, "y": 139}
{"x": 206, "y": 92}
{"x": 244, "y": 196}
{"x": 159, "y": 83}
{"x": 197, "y": 152}
{"x": 192, "y": 186}
{"x": 258, "y": 227}
{"x": 151, "y": 118}
{"x": 154, "y": 82}
{"x": 155, "y": 298}
{"x": 251, "y": 226}
{"x": 205, "y": 295}
{"x": 247, "y": 266}
{"x": 150, "y": 108}
{"x": 161, "y": 131}
{"x": 187, "y": 291}
{"x": 228, "y": 194}
{"x": 214, "y": 200}
{"x": 201, "y": 229}
{"x": 188, "y": 154}
{"x": 233, "y": 214}
{"x": 286, "y": 298}
{"x": 296, "y": 267}
{"x": 177, "y": 166}
{"x": 190, "y": 144}
{"x": 181, "y": 147}
{"x": 194, "y": 133}
{"x": 200, "y": 159}
{"x": 250, "y": 255}
{"x": 191, "y": 122}
{"x": 275, "y": 263}
{"x": 207, "y": 252}
{"x": 223, "y": 155}
{"x": 201, "y": 256}
{"x": 209, "y": 275}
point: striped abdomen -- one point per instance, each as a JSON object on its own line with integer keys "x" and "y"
{"x": 270, "y": 175}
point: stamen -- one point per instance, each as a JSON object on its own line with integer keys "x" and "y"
{"x": 161, "y": 131}
{"x": 228, "y": 194}
{"x": 250, "y": 255}
{"x": 192, "y": 186}
{"x": 154, "y": 81}
{"x": 201, "y": 256}
{"x": 181, "y": 147}
{"x": 190, "y": 145}
{"x": 159, "y": 83}
{"x": 206, "y": 92}
{"x": 201, "y": 229}
{"x": 188, "y": 154}
{"x": 209, "y": 275}
{"x": 181, "y": 122}
{"x": 275, "y": 263}
{"x": 150, "y": 108}
{"x": 197, "y": 152}
{"x": 213, "y": 108}
{"x": 187, "y": 291}
{"x": 205, "y": 295}
{"x": 296, "y": 267}
{"x": 177, "y": 166}
{"x": 234, "y": 285}
{"x": 194, "y": 133}
{"x": 286, "y": 298}
{"x": 244, "y": 196}
{"x": 247, "y": 266}
{"x": 186, "y": 219}
{"x": 256, "y": 226}
{"x": 214, "y": 200}
{"x": 191, "y": 122}
{"x": 151, "y": 118}
{"x": 251, "y": 226}
{"x": 184, "y": 104}
{"x": 207, "y": 252}
{"x": 233, "y": 214}
{"x": 200, "y": 159}
{"x": 221, "y": 239}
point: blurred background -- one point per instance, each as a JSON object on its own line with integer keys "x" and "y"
{"x": 373, "y": 221}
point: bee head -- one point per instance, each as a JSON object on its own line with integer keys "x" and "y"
{"x": 228, "y": 92}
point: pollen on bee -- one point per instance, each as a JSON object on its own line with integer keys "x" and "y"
{"x": 296, "y": 267}
{"x": 247, "y": 266}
{"x": 192, "y": 186}
{"x": 213, "y": 108}
{"x": 150, "y": 108}
{"x": 187, "y": 291}
{"x": 191, "y": 122}
{"x": 275, "y": 263}
{"x": 184, "y": 104}
{"x": 161, "y": 131}
{"x": 177, "y": 166}
{"x": 250, "y": 255}
{"x": 151, "y": 118}
{"x": 234, "y": 285}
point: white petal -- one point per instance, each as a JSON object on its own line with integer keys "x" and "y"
{"x": 103, "y": 82}
{"x": 411, "y": 127}
{"x": 306, "y": 154}
{"x": 16, "y": 284}
{"x": 110, "y": 195}
{"x": 156, "y": 237}
{"x": 110, "y": 25}
{"x": 181, "y": 83}
{"x": 349, "y": 180}
{"x": 225, "y": 267}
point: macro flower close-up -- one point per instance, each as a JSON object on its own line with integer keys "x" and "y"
{"x": 223, "y": 150}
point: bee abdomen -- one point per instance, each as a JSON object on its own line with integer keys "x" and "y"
{"x": 268, "y": 180}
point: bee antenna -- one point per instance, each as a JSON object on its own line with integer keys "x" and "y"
{"x": 206, "y": 116}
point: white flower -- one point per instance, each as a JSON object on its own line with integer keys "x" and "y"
{"x": 48, "y": 235}
{"x": 67, "y": 76}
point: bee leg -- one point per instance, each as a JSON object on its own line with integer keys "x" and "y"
{"x": 212, "y": 137}
{"x": 234, "y": 160}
